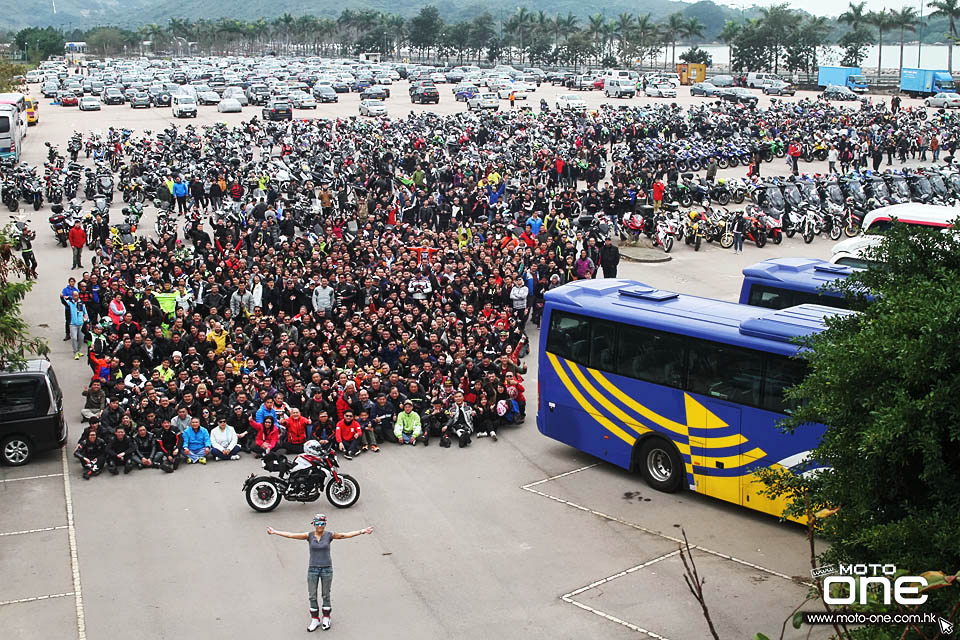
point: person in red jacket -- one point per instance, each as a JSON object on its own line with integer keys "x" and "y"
{"x": 795, "y": 151}
{"x": 658, "y": 189}
{"x": 349, "y": 435}
{"x": 77, "y": 238}
{"x": 267, "y": 436}
{"x": 298, "y": 431}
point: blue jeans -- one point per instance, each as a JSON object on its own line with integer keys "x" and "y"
{"x": 737, "y": 241}
{"x": 409, "y": 439}
{"x": 193, "y": 456}
{"x": 325, "y": 576}
{"x": 217, "y": 455}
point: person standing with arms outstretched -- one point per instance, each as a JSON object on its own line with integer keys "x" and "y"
{"x": 321, "y": 566}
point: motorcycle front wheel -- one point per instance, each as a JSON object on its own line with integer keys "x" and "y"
{"x": 808, "y": 235}
{"x": 851, "y": 230}
{"x": 835, "y": 232}
{"x": 263, "y": 495}
{"x": 777, "y": 238}
{"x": 723, "y": 198}
{"x": 13, "y": 205}
{"x": 726, "y": 240}
{"x": 761, "y": 240}
{"x": 37, "y": 204}
{"x": 696, "y": 243}
{"x": 345, "y": 494}
{"x": 739, "y": 196}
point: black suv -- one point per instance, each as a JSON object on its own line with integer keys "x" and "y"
{"x": 374, "y": 93}
{"x": 31, "y": 412}
{"x": 277, "y": 110}
{"x": 424, "y": 94}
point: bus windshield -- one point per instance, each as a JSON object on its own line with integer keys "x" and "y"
{"x": 685, "y": 390}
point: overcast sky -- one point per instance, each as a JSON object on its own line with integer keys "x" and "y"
{"x": 827, "y": 7}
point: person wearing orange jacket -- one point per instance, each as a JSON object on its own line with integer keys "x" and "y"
{"x": 77, "y": 238}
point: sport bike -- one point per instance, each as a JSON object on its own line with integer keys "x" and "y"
{"x": 315, "y": 475}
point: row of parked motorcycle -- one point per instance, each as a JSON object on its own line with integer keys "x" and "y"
{"x": 806, "y": 205}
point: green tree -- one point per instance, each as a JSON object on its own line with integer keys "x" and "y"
{"x": 949, "y": 9}
{"x": 11, "y": 76}
{"x": 39, "y": 44}
{"x": 425, "y": 29}
{"x": 696, "y": 55}
{"x": 886, "y": 381}
{"x": 883, "y": 20}
{"x": 778, "y": 22}
{"x": 482, "y": 33}
{"x": 729, "y": 35}
{"x": 855, "y": 43}
{"x": 673, "y": 29}
{"x": 16, "y": 343}
{"x": 906, "y": 19}
{"x": 106, "y": 40}
{"x": 855, "y": 15}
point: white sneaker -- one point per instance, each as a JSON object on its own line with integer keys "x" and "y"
{"x": 235, "y": 456}
{"x": 493, "y": 434}
{"x": 482, "y": 434}
{"x": 314, "y": 623}
{"x": 326, "y": 623}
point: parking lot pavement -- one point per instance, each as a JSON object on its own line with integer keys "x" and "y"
{"x": 460, "y": 548}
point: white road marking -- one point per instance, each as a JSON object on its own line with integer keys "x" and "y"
{"x": 18, "y": 533}
{"x": 569, "y": 597}
{"x": 49, "y": 475}
{"x": 36, "y": 598}
{"x": 74, "y": 563}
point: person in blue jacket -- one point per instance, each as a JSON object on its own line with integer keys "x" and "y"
{"x": 180, "y": 193}
{"x": 196, "y": 443}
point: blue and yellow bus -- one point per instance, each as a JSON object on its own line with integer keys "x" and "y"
{"x": 779, "y": 283}
{"x": 685, "y": 390}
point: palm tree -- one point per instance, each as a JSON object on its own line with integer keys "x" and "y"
{"x": 855, "y": 15}
{"x": 778, "y": 20}
{"x": 693, "y": 29}
{"x": 814, "y": 32}
{"x": 949, "y": 9}
{"x": 730, "y": 32}
{"x": 906, "y": 19}
{"x": 673, "y": 28}
{"x": 624, "y": 27}
{"x": 883, "y": 20}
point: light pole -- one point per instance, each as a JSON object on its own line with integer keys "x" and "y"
{"x": 920, "y": 34}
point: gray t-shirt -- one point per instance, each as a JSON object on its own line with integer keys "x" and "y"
{"x": 320, "y": 549}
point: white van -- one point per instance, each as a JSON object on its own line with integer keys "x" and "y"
{"x": 756, "y": 80}
{"x": 34, "y": 76}
{"x": 183, "y": 105}
{"x": 10, "y": 134}
{"x": 619, "y": 87}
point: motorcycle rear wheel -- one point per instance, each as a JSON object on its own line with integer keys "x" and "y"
{"x": 345, "y": 494}
{"x": 264, "y": 495}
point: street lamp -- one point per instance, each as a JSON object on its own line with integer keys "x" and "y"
{"x": 920, "y": 34}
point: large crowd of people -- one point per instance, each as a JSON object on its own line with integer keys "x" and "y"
{"x": 371, "y": 281}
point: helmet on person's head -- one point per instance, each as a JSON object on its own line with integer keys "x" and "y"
{"x": 312, "y": 448}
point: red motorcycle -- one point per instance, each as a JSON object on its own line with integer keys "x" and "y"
{"x": 755, "y": 226}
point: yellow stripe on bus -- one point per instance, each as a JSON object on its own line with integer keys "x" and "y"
{"x": 609, "y": 406}
{"x": 586, "y": 406}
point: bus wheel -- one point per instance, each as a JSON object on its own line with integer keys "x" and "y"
{"x": 660, "y": 465}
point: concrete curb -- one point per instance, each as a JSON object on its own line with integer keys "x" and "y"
{"x": 641, "y": 254}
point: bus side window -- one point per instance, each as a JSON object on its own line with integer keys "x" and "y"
{"x": 724, "y": 372}
{"x": 603, "y": 343}
{"x": 569, "y": 337}
{"x": 653, "y": 356}
{"x": 770, "y": 298}
{"x": 782, "y": 373}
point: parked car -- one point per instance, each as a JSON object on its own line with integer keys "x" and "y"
{"x": 68, "y": 99}
{"x": 89, "y": 103}
{"x": 374, "y": 93}
{"x": 301, "y": 100}
{"x": 779, "y": 88}
{"x": 463, "y": 92}
{"x": 277, "y": 110}
{"x": 373, "y": 108}
{"x": 325, "y": 93}
{"x": 582, "y": 83}
{"x": 31, "y": 412}
{"x": 230, "y": 105}
{"x": 944, "y": 100}
{"x": 619, "y": 88}
{"x": 739, "y": 95}
{"x": 570, "y": 102}
{"x": 705, "y": 89}
{"x": 722, "y": 81}
{"x": 237, "y": 94}
{"x": 419, "y": 83}
{"x": 112, "y": 95}
{"x": 661, "y": 89}
{"x": 425, "y": 94}
{"x": 161, "y": 99}
{"x": 483, "y": 101}
{"x": 208, "y": 97}
{"x": 518, "y": 94}
{"x": 837, "y": 92}
{"x": 50, "y": 90}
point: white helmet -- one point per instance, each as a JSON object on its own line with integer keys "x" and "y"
{"x": 312, "y": 448}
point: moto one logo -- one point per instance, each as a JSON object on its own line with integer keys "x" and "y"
{"x": 855, "y": 580}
